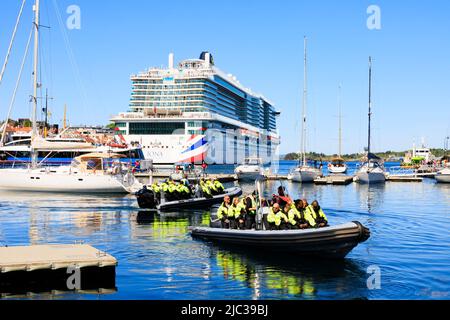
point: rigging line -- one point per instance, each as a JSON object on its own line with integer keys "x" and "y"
{"x": 12, "y": 41}
{"x": 49, "y": 55}
{"x": 43, "y": 64}
{"x": 13, "y": 98}
{"x": 75, "y": 68}
{"x": 41, "y": 59}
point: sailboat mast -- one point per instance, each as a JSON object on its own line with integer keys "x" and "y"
{"x": 35, "y": 67}
{"x": 370, "y": 103}
{"x": 34, "y": 132}
{"x": 65, "y": 118}
{"x": 340, "y": 121}
{"x": 305, "y": 91}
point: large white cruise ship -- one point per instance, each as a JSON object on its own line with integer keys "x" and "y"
{"x": 193, "y": 112}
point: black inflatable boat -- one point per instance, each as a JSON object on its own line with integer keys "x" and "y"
{"x": 146, "y": 200}
{"x": 329, "y": 242}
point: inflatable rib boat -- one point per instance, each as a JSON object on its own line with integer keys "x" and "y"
{"x": 146, "y": 200}
{"x": 329, "y": 242}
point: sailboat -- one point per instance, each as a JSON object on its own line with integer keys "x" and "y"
{"x": 304, "y": 172}
{"x": 90, "y": 173}
{"x": 372, "y": 170}
{"x": 338, "y": 165}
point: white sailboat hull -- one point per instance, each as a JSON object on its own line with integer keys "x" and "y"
{"x": 36, "y": 180}
{"x": 303, "y": 175}
{"x": 371, "y": 176}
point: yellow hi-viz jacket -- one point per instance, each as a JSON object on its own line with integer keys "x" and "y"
{"x": 316, "y": 216}
{"x": 211, "y": 185}
{"x": 276, "y": 218}
{"x": 219, "y": 186}
{"x": 225, "y": 211}
{"x": 295, "y": 215}
{"x": 237, "y": 209}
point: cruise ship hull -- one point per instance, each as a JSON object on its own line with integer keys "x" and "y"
{"x": 172, "y": 149}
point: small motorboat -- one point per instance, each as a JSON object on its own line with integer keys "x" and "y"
{"x": 329, "y": 242}
{"x": 147, "y": 200}
{"x": 443, "y": 176}
{"x": 337, "y": 166}
{"x": 252, "y": 169}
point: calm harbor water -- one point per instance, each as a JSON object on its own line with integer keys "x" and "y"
{"x": 410, "y": 243}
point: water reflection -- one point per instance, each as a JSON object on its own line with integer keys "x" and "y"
{"x": 165, "y": 225}
{"x": 443, "y": 189}
{"x": 72, "y": 217}
{"x": 56, "y": 294}
{"x": 158, "y": 259}
{"x": 272, "y": 275}
{"x": 370, "y": 197}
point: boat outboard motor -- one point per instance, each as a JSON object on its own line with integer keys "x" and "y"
{"x": 214, "y": 220}
{"x": 146, "y": 198}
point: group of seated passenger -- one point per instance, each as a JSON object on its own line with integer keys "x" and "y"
{"x": 239, "y": 213}
{"x": 209, "y": 188}
{"x": 280, "y": 213}
{"x": 293, "y": 215}
{"x": 183, "y": 190}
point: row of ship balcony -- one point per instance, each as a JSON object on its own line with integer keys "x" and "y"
{"x": 180, "y": 74}
{"x": 163, "y": 114}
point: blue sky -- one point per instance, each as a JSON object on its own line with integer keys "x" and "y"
{"x": 261, "y": 42}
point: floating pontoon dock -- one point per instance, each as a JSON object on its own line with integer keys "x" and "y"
{"x": 145, "y": 177}
{"x": 332, "y": 179}
{"x": 47, "y": 267}
{"x": 335, "y": 179}
{"x": 404, "y": 178}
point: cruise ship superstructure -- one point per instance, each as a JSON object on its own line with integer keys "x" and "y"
{"x": 194, "y": 112}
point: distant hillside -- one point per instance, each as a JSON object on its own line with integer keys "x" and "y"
{"x": 355, "y": 156}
